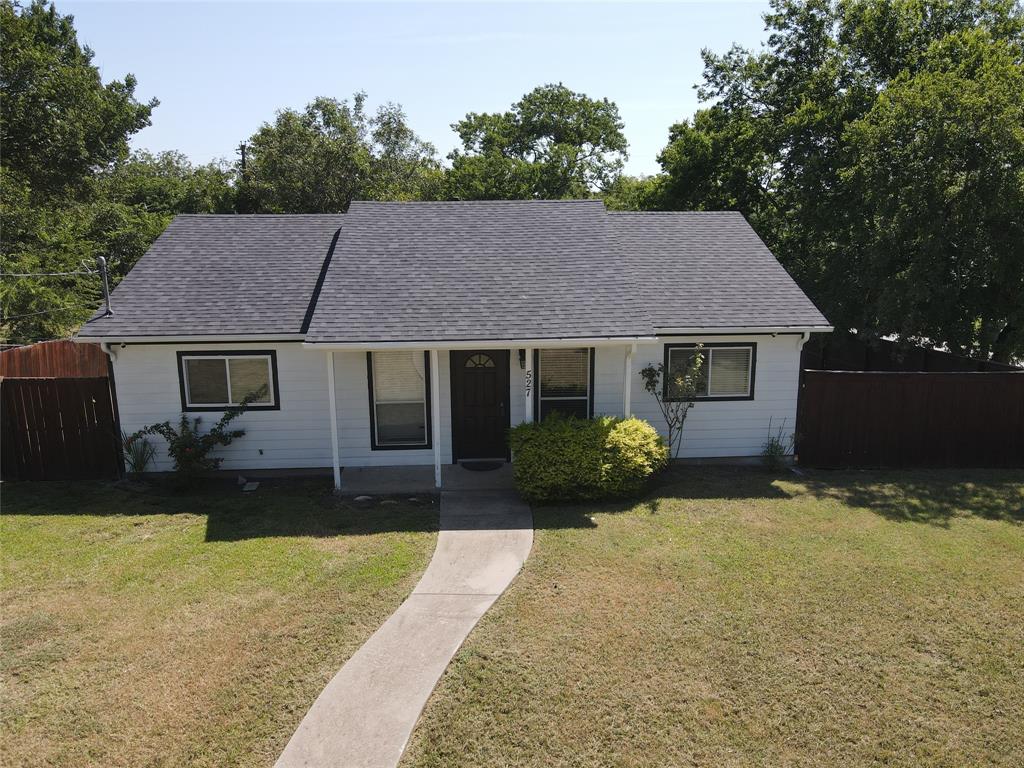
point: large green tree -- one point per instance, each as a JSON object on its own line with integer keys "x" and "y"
{"x": 878, "y": 146}
{"x": 69, "y": 189}
{"x": 58, "y": 120}
{"x": 332, "y": 152}
{"x": 553, "y": 143}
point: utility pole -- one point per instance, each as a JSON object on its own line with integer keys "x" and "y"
{"x": 242, "y": 148}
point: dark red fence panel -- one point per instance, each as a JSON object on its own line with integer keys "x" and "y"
{"x": 842, "y": 352}
{"x": 54, "y": 359}
{"x": 58, "y": 429}
{"x": 851, "y": 419}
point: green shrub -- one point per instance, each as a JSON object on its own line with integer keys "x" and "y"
{"x": 569, "y": 459}
{"x": 190, "y": 449}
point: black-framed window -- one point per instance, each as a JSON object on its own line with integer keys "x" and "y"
{"x": 399, "y": 385}
{"x": 212, "y": 380}
{"x": 727, "y": 372}
{"x": 565, "y": 382}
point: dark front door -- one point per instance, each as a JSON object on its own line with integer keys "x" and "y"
{"x": 480, "y": 417}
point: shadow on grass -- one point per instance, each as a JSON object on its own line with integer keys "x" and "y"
{"x": 926, "y": 496}
{"x": 290, "y": 507}
{"x": 922, "y": 496}
{"x": 279, "y": 507}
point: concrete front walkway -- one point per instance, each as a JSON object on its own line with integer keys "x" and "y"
{"x": 364, "y": 717}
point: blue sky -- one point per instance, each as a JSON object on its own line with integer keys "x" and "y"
{"x": 222, "y": 69}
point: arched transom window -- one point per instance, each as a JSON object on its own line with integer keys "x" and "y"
{"x": 479, "y": 361}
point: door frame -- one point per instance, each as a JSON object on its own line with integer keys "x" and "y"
{"x": 454, "y": 385}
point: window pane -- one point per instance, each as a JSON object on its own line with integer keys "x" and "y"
{"x": 564, "y": 372}
{"x": 250, "y": 374}
{"x": 730, "y": 372}
{"x": 576, "y": 408}
{"x": 207, "y": 381}
{"x": 399, "y": 387}
{"x": 398, "y": 377}
{"x": 679, "y": 361}
{"x": 401, "y": 423}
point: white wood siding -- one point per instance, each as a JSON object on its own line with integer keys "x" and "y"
{"x": 354, "y": 416}
{"x": 298, "y": 435}
{"x": 713, "y": 429}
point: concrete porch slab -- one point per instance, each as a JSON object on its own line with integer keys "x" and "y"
{"x": 369, "y": 481}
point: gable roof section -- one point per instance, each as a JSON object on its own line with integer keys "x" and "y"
{"x": 455, "y": 271}
{"x": 459, "y": 271}
{"x": 236, "y": 275}
{"x": 708, "y": 270}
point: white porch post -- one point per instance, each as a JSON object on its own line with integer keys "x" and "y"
{"x": 435, "y": 415}
{"x": 530, "y": 384}
{"x": 627, "y": 382}
{"x": 333, "y": 399}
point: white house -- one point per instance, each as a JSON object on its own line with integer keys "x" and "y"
{"x": 417, "y": 333}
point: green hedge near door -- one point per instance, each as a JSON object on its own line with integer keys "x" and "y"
{"x": 570, "y": 459}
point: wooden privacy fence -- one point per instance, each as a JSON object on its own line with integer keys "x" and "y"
{"x": 57, "y": 359}
{"x": 58, "y": 429}
{"x": 853, "y": 419}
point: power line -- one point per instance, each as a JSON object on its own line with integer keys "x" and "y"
{"x": 8, "y": 318}
{"x": 44, "y": 274}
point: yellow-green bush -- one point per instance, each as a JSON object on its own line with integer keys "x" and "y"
{"x": 569, "y": 459}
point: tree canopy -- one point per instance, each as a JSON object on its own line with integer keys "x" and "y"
{"x": 58, "y": 120}
{"x": 320, "y": 159}
{"x": 60, "y": 127}
{"x": 553, "y": 143}
{"x": 878, "y": 147}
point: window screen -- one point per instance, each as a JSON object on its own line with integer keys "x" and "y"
{"x": 399, "y": 398}
{"x": 564, "y": 378}
{"x": 211, "y": 381}
{"x": 727, "y": 370}
{"x": 679, "y": 362}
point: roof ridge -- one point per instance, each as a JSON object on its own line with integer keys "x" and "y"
{"x": 677, "y": 213}
{"x": 256, "y": 215}
{"x": 520, "y": 201}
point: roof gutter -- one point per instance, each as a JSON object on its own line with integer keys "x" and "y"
{"x": 581, "y": 341}
{"x": 233, "y": 338}
{"x": 746, "y": 330}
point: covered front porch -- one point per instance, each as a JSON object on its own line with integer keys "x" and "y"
{"x": 412, "y": 480}
{"x": 423, "y": 412}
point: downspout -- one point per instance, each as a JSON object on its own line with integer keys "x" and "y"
{"x": 627, "y": 383}
{"x": 112, "y": 386}
{"x": 804, "y": 338}
{"x": 105, "y": 346}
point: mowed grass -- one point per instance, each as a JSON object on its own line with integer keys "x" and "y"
{"x": 157, "y": 629}
{"x": 736, "y": 619}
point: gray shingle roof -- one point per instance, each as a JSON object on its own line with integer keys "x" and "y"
{"x": 456, "y": 271}
{"x": 216, "y": 275}
{"x": 480, "y": 270}
{"x": 708, "y": 270}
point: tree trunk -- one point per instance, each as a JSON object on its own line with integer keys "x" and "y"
{"x": 1002, "y": 347}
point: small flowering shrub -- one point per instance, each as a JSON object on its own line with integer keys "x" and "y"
{"x": 190, "y": 449}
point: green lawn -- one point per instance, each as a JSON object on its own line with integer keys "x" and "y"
{"x": 733, "y": 619}
{"x": 151, "y": 629}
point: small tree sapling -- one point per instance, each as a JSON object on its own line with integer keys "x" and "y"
{"x": 675, "y": 391}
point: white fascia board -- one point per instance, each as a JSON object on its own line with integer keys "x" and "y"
{"x": 745, "y": 330}
{"x": 601, "y": 341}
{"x": 235, "y": 338}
